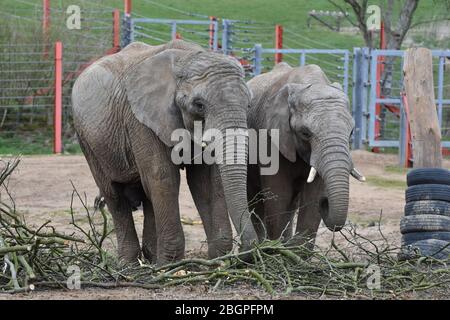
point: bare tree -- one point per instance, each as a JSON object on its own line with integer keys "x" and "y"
{"x": 359, "y": 8}
{"x": 395, "y": 29}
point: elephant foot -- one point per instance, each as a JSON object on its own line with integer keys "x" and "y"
{"x": 129, "y": 257}
{"x": 172, "y": 250}
{"x": 306, "y": 241}
{"x": 165, "y": 260}
{"x": 218, "y": 248}
{"x": 149, "y": 252}
{"x": 245, "y": 251}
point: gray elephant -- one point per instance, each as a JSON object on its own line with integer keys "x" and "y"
{"x": 314, "y": 126}
{"x": 126, "y": 107}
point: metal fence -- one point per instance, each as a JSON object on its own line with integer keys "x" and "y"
{"x": 26, "y": 95}
{"x": 377, "y": 103}
{"x": 340, "y": 56}
{"x": 27, "y": 72}
{"x": 372, "y": 78}
{"x": 158, "y": 31}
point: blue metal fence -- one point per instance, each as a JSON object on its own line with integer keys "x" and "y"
{"x": 357, "y": 72}
{"x": 167, "y": 29}
{"x": 366, "y": 98}
{"x": 344, "y": 54}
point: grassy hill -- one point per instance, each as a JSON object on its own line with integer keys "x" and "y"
{"x": 292, "y": 14}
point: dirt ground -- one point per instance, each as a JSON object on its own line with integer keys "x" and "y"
{"x": 41, "y": 187}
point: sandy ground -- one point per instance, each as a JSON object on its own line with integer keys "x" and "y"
{"x": 42, "y": 189}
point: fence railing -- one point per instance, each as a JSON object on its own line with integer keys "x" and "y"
{"x": 341, "y": 75}
{"x": 372, "y": 78}
{"x": 204, "y": 32}
{"x": 377, "y": 98}
{"x": 29, "y": 76}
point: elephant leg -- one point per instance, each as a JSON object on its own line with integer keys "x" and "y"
{"x": 160, "y": 180}
{"x": 308, "y": 220}
{"x": 278, "y": 211}
{"x": 149, "y": 236}
{"x": 118, "y": 206}
{"x": 121, "y": 212}
{"x": 207, "y": 191}
{"x": 163, "y": 185}
{"x": 256, "y": 202}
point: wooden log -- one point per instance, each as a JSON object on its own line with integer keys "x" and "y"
{"x": 423, "y": 119}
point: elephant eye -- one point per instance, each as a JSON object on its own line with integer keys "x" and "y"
{"x": 198, "y": 106}
{"x": 305, "y": 133}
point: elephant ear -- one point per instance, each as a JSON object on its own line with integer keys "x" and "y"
{"x": 151, "y": 86}
{"x": 277, "y": 117}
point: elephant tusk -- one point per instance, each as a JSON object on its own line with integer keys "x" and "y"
{"x": 204, "y": 144}
{"x": 312, "y": 175}
{"x": 357, "y": 175}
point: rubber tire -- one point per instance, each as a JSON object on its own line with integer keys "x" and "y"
{"x": 428, "y": 192}
{"x": 427, "y": 207}
{"x": 438, "y": 249}
{"x": 410, "y": 238}
{"x": 428, "y": 176}
{"x": 424, "y": 223}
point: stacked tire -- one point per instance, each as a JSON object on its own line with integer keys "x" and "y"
{"x": 425, "y": 227}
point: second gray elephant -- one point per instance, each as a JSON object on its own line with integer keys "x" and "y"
{"x": 315, "y": 126}
{"x": 126, "y": 107}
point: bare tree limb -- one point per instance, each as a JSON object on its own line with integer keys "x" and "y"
{"x": 342, "y": 10}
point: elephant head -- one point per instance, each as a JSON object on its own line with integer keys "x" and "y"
{"x": 315, "y": 124}
{"x": 174, "y": 88}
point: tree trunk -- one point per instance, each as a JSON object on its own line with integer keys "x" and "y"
{"x": 425, "y": 130}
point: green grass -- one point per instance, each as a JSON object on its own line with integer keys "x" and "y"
{"x": 386, "y": 183}
{"x": 292, "y": 14}
{"x": 35, "y": 144}
{"x": 395, "y": 169}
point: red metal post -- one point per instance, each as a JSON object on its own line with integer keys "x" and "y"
{"x": 278, "y": 42}
{"x": 212, "y": 31}
{"x": 46, "y": 26}
{"x": 408, "y": 152}
{"x": 116, "y": 30}
{"x": 57, "y": 115}
{"x": 127, "y": 7}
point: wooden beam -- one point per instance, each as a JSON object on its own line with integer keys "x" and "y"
{"x": 423, "y": 119}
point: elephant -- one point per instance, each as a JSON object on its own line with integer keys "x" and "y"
{"x": 314, "y": 127}
{"x": 126, "y": 107}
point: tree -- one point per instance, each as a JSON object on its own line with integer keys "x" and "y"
{"x": 395, "y": 30}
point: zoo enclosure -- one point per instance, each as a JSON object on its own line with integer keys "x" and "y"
{"x": 379, "y": 116}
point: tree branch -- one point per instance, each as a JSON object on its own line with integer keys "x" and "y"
{"x": 342, "y": 9}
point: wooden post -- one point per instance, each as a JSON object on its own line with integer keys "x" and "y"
{"x": 278, "y": 42}
{"x": 423, "y": 119}
{"x": 57, "y": 115}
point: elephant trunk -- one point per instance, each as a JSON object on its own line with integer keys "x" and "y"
{"x": 233, "y": 171}
{"x": 333, "y": 166}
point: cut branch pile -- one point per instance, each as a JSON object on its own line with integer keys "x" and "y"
{"x": 38, "y": 258}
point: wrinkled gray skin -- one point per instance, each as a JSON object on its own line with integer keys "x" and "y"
{"x": 125, "y": 109}
{"x": 315, "y": 126}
